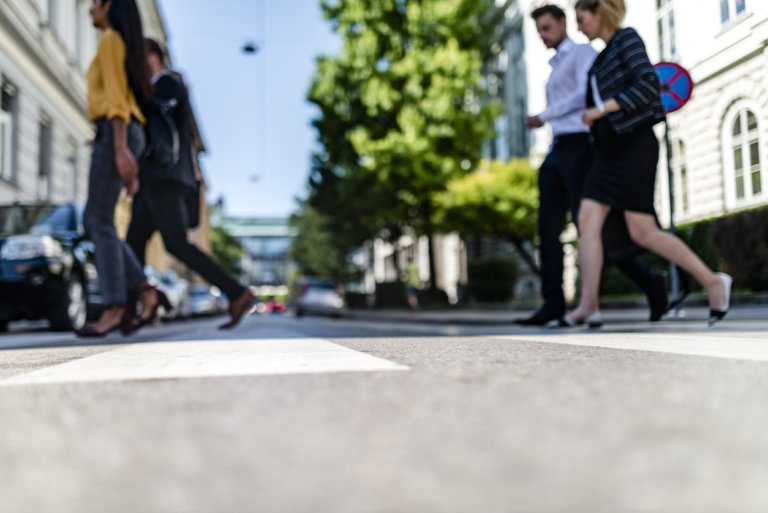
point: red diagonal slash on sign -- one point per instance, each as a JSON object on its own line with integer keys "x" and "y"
{"x": 671, "y": 82}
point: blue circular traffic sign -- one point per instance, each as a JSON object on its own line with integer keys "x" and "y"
{"x": 676, "y": 85}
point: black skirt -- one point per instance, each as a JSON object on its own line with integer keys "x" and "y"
{"x": 623, "y": 173}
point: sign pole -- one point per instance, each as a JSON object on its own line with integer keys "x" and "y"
{"x": 671, "y": 180}
{"x": 676, "y": 89}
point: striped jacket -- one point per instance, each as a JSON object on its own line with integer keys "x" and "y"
{"x": 624, "y": 73}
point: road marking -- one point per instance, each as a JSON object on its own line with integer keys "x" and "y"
{"x": 728, "y": 347}
{"x": 209, "y": 358}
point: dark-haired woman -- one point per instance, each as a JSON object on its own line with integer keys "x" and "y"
{"x": 624, "y": 103}
{"x": 118, "y": 83}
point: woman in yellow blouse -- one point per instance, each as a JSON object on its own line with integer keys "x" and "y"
{"x": 118, "y": 84}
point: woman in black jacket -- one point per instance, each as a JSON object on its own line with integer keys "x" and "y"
{"x": 624, "y": 103}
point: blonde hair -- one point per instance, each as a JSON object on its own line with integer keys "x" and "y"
{"x": 612, "y": 12}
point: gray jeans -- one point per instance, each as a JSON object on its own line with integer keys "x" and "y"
{"x": 119, "y": 269}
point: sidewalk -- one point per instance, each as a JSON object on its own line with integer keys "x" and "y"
{"x": 743, "y": 307}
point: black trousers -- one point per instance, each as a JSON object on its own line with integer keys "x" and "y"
{"x": 561, "y": 178}
{"x": 162, "y": 207}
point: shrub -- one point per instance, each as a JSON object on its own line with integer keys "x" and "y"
{"x": 432, "y": 297}
{"x": 356, "y": 300}
{"x": 740, "y": 242}
{"x": 492, "y": 279}
{"x": 390, "y": 294}
{"x": 736, "y": 244}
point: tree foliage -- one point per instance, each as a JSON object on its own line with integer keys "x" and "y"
{"x": 226, "y": 250}
{"x": 499, "y": 199}
{"x": 317, "y": 249}
{"x": 400, "y": 112}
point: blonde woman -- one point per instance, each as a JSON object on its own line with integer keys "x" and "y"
{"x": 623, "y": 100}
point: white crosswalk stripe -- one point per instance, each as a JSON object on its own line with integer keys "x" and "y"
{"x": 209, "y": 358}
{"x": 722, "y": 346}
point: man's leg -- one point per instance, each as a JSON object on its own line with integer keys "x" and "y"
{"x": 142, "y": 226}
{"x": 552, "y": 212}
{"x": 654, "y": 285}
{"x": 170, "y": 215}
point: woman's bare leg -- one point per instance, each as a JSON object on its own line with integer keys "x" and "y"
{"x": 644, "y": 232}
{"x": 592, "y": 216}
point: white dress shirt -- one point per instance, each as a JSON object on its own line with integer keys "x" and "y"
{"x": 567, "y": 88}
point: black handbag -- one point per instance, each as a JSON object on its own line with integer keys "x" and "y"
{"x": 162, "y": 135}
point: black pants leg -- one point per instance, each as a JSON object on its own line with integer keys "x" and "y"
{"x": 167, "y": 209}
{"x": 142, "y": 226}
{"x": 561, "y": 177}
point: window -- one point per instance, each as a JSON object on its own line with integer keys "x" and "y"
{"x": 5, "y": 144}
{"x": 745, "y": 178}
{"x": 45, "y": 157}
{"x": 665, "y": 30}
{"x": 731, "y": 9}
{"x": 680, "y": 165}
{"x": 74, "y": 179}
{"x": 9, "y": 122}
{"x": 52, "y": 14}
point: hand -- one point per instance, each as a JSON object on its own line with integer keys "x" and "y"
{"x": 126, "y": 165}
{"x": 132, "y": 187}
{"x": 590, "y": 116}
{"x": 533, "y": 122}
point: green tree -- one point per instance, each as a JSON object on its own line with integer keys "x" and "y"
{"x": 317, "y": 249}
{"x": 400, "y": 112}
{"x": 226, "y": 250}
{"x": 499, "y": 199}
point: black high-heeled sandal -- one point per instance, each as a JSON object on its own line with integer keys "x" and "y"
{"x": 162, "y": 300}
{"x": 716, "y": 316}
{"x": 125, "y": 324}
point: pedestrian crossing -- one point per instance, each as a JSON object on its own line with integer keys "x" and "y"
{"x": 725, "y": 346}
{"x": 209, "y": 358}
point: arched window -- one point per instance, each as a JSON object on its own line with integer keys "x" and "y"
{"x": 745, "y": 178}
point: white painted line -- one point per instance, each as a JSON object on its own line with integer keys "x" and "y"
{"x": 209, "y": 358}
{"x": 728, "y": 347}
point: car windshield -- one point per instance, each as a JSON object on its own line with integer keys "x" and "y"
{"x": 35, "y": 219}
{"x": 321, "y": 286}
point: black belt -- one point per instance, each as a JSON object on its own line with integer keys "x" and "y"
{"x": 571, "y": 137}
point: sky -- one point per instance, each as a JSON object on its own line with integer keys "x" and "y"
{"x": 252, "y": 109}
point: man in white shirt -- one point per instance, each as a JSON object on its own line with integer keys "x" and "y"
{"x": 562, "y": 174}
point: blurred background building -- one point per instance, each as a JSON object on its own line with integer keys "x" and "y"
{"x": 46, "y": 47}
{"x": 266, "y": 242}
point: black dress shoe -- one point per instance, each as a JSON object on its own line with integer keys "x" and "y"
{"x": 541, "y": 317}
{"x": 658, "y": 297}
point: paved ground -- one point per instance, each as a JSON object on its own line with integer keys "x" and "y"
{"x": 287, "y": 415}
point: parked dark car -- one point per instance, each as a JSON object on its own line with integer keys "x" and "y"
{"x": 47, "y": 266}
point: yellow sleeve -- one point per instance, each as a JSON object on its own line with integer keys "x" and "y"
{"x": 112, "y": 62}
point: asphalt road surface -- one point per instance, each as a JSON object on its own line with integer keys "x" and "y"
{"x": 315, "y": 415}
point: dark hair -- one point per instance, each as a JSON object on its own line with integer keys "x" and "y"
{"x": 154, "y": 48}
{"x": 554, "y": 10}
{"x": 123, "y": 17}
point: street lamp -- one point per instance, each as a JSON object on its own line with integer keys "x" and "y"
{"x": 251, "y": 48}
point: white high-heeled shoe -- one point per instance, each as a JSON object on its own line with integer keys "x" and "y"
{"x": 594, "y": 321}
{"x": 717, "y": 315}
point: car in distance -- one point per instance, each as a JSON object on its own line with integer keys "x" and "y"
{"x": 320, "y": 297}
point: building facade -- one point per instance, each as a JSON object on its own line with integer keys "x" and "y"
{"x": 46, "y": 47}
{"x": 267, "y": 245}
